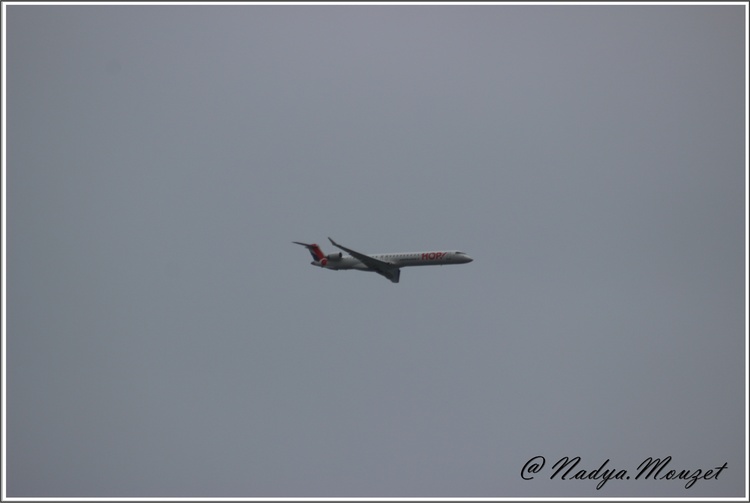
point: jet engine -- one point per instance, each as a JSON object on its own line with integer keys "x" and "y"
{"x": 334, "y": 256}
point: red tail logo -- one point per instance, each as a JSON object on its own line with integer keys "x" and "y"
{"x": 317, "y": 253}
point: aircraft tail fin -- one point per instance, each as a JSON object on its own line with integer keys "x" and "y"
{"x": 314, "y": 249}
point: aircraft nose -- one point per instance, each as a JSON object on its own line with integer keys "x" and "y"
{"x": 465, "y": 259}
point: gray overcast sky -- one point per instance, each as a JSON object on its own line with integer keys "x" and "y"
{"x": 166, "y": 338}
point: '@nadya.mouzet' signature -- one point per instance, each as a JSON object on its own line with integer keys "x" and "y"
{"x": 649, "y": 469}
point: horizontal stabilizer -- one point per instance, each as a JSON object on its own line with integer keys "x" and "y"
{"x": 315, "y": 251}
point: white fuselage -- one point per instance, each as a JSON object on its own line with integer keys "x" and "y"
{"x": 340, "y": 262}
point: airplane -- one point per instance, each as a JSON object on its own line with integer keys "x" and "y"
{"x": 386, "y": 264}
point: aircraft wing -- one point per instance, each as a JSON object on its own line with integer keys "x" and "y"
{"x": 386, "y": 269}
